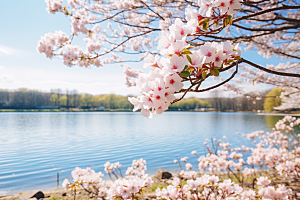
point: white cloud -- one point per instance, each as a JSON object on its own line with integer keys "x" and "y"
{"x": 6, "y": 78}
{"x": 73, "y": 84}
{"x": 7, "y": 50}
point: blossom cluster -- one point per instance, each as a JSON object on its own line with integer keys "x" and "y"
{"x": 122, "y": 187}
{"x": 204, "y": 187}
{"x": 229, "y": 7}
{"x": 210, "y": 187}
{"x": 271, "y": 193}
{"x": 86, "y": 177}
{"x": 275, "y": 150}
{"x": 156, "y": 89}
{"x": 51, "y": 40}
{"x": 138, "y": 168}
{"x": 127, "y": 187}
{"x": 287, "y": 123}
{"x": 109, "y": 167}
{"x": 54, "y": 5}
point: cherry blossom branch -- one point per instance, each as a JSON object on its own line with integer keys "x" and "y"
{"x": 120, "y": 44}
{"x": 270, "y": 71}
{"x": 152, "y": 10}
{"x": 268, "y": 29}
{"x": 200, "y": 80}
{"x": 284, "y": 7}
{"x": 186, "y": 91}
{"x": 220, "y": 84}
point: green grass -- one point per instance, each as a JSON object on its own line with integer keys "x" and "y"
{"x": 154, "y": 187}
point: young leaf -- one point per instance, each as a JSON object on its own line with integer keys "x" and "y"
{"x": 205, "y": 26}
{"x": 186, "y": 51}
{"x": 216, "y": 72}
{"x": 212, "y": 72}
{"x": 185, "y": 73}
{"x": 189, "y": 58}
{"x": 203, "y": 75}
{"x": 185, "y": 67}
{"x": 191, "y": 69}
{"x": 226, "y": 22}
{"x": 204, "y": 21}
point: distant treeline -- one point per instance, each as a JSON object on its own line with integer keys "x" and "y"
{"x": 33, "y": 99}
{"x": 25, "y": 99}
{"x": 236, "y": 104}
{"x": 190, "y": 104}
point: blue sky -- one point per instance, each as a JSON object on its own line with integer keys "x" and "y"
{"x": 21, "y": 66}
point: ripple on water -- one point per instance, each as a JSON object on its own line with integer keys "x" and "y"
{"x": 35, "y": 146}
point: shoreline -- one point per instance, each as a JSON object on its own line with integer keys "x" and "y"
{"x": 129, "y": 110}
{"x": 149, "y": 192}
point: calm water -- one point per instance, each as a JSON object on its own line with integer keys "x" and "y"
{"x": 35, "y": 146}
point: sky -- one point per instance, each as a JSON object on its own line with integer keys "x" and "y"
{"x": 21, "y": 66}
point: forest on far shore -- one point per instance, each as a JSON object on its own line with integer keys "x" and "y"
{"x": 56, "y": 98}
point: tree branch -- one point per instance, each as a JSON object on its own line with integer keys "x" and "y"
{"x": 284, "y": 7}
{"x": 152, "y": 10}
{"x": 220, "y": 84}
{"x": 270, "y": 71}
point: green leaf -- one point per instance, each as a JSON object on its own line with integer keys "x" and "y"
{"x": 185, "y": 67}
{"x": 230, "y": 61}
{"x": 212, "y": 72}
{"x": 205, "y": 26}
{"x": 216, "y": 72}
{"x": 229, "y": 17}
{"x": 238, "y": 57}
{"x": 203, "y": 75}
{"x": 189, "y": 58}
{"x": 186, "y": 51}
{"x": 203, "y": 21}
{"x": 185, "y": 73}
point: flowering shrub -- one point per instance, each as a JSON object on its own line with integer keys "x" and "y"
{"x": 204, "y": 187}
{"x": 272, "y": 151}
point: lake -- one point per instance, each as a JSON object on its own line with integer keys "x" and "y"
{"x": 34, "y": 146}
